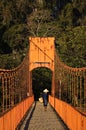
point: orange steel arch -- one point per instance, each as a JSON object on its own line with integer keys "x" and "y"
{"x": 41, "y": 54}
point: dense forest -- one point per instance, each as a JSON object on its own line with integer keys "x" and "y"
{"x": 63, "y": 19}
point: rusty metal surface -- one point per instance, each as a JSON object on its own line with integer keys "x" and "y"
{"x": 14, "y": 85}
{"x": 70, "y": 84}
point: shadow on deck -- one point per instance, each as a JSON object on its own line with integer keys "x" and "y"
{"x": 39, "y": 119}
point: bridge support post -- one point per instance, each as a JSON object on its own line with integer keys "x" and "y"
{"x": 30, "y": 83}
{"x": 53, "y": 85}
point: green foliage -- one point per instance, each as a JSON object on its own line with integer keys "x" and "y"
{"x": 21, "y": 19}
{"x": 72, "y": 46}
{"x": 9, "y": 61}
{"x": 81, "y": 7}
{"x": 39, "y": 23}
{"x": 66, "y": 16}
{"x": 15, "y": 37}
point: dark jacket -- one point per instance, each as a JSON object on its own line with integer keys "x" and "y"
{"x": 45, "y": 99}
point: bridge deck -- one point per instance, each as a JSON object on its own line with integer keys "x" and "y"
{"x": 39, "y": 119}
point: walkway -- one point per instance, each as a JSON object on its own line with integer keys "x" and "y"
{"x": 39, "y": 119}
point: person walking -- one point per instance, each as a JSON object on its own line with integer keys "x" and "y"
{"x": 45, "y": 98}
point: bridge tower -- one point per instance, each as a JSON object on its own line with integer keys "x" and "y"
{"x": 41, "y": 54}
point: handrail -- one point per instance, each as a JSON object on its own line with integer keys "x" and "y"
{"x": 11, "y": 119}
{"x": 74, "y": 119}
{"x": 14, "y": 85}
{"x": 70, "y": 84}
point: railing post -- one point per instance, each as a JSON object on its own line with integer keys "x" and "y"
{"x": 3, "y": 93}
{"x": 85, "y": 91}
{"x": 12, "y": 91}
{"x": 9, "y": 90}
{"x": 80, "y": 91}
{"x": 30, "y": 83}
{"x": 6, "y": 96}
{"x": 53, "y": 85}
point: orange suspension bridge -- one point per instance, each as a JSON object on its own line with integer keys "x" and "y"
{"x": 68, "y": 89}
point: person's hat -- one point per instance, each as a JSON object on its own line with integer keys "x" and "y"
{"x": 45, "y": 90}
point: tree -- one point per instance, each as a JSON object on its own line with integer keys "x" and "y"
{"x": 15, "y": 37}
{"x": 39, "y": 23}
{"x": 72, "y": 44}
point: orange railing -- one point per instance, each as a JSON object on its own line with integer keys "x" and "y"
{"x": 14, "y": 85}
{"x": 70, "y": 84}
{"x": 74, "y": 119}
{"x": 12, "y": 118}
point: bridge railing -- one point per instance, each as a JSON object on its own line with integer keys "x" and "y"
{"x": 11, "y": 119}
{"x": 74, "y": 119}
{"x": 70, "y": 84}
{"x": 14, "y": 85}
